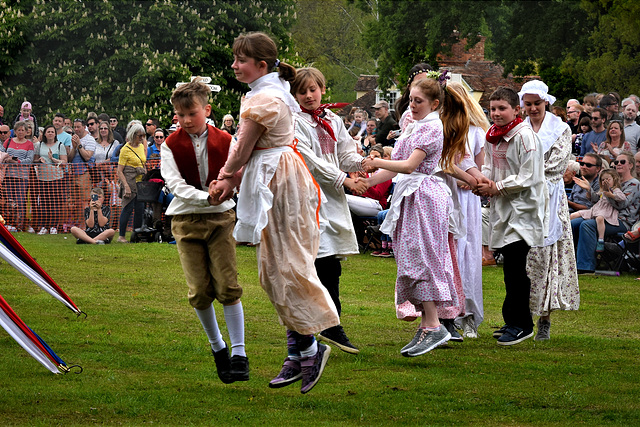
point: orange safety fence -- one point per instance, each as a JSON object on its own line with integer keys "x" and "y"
{"x": 43, "y": 196}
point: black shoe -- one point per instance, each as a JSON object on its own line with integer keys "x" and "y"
{"x": 451, "y": 328}
{"x": 336, "y": 336}
{"x": 498, "y": 333}
{"x": 240, "y": 368}
{"x": 514, "y": 335}
{"x": 223, "y": 364}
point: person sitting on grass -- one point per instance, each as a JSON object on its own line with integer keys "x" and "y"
{"x": 96, "y": 219}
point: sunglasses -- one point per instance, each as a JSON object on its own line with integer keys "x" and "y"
{"x": 622, "y": 162}
{"x": 91, "y": 123}
{"x": 148, "y": 124}
{"x": 159, "y": 137}
{"x": 596, "y": 118}
{"x": 589, "y": 165}
{"x": 113, "y": 120}
{"x": 104, "y": 128}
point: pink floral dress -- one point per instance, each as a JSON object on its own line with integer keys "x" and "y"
{"x": 425, "y": 266}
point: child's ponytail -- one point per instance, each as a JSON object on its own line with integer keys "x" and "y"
{"x": 455, "y": 121}
{"x": 286, "y": 71}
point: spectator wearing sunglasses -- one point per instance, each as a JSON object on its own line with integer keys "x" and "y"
{"x": 598, "y": 133}
{"x": 586, "y": 184}
{"x": 150, "y": 127}
{"x": 153, "y": 152}
{"x": 5, "y": 133}
{"x": 610, "y": 104}
{"x": 584, "y": 231}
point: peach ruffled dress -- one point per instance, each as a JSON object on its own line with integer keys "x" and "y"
{"x": 277, "y": 207}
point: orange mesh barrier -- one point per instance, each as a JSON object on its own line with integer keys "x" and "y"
{"x": 44, "y": 196}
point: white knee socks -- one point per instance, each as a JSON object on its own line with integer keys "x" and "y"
{"x": 234, "y": 316}
{"x": 210, "y": 324}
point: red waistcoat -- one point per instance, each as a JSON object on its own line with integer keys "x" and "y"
{"x": 218, "y": 143}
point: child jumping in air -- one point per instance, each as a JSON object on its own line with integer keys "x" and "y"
{"x": 329, "y": 152}
{"x": 278, "y": 207}
{"x": 202, "y": 226}
{"x": 603, "y": 211}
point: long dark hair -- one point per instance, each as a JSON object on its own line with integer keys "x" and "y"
{"x": 403, "y": 102}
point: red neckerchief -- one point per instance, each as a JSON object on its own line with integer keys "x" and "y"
{"x": 495, "y": 133}
{"x": 318, "y": 116}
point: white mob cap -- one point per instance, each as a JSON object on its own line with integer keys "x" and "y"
{"x": 536, "y": 87}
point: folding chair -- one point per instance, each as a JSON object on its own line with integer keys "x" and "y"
{"x": 619, "y": 255}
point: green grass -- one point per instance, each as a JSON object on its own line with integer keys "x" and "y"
{"x": 146, "y": 359}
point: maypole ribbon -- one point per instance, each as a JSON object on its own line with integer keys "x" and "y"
{"x": 31, "y": 342}
{"x": 16, "y": 255}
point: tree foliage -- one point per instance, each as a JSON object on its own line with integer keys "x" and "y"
{"x": 125, "y": 57}
{"x": 409, "y": 32}
{"x": 575, "y": 46}
{"x": 328, "y": 35}
{"x": 614, "y": 60}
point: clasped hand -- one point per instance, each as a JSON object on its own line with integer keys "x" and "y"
{"x": 486, "y": 188}
{"x": 220, "y": 191}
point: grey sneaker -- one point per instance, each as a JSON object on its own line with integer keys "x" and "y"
{"x": 413, "y": 342}
{"x": 469, "y": 328}
{"x": 543, "y": 330}
{"x": 428, "y": 341}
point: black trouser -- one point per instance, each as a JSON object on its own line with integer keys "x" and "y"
{"x": 329, "y": 270}
{"x": 515, "y": 309}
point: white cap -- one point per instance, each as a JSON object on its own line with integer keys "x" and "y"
{"x": 536, "y": 87}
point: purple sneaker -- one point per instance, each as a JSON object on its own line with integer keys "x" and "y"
{"x": 313, "y": 366}
{"x": 289, "y": 374}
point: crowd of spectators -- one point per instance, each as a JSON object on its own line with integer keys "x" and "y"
{"x": 47, "y": 173}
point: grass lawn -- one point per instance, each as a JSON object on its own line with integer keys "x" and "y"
{"x": 146, "y": 359}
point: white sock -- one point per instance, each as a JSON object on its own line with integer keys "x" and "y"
{"x": 234, "y": 316}
{"x": 311, "y": 350}
{"x": 210, "y": 324}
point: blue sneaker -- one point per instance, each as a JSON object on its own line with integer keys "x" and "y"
{"x": 514, "y": 335}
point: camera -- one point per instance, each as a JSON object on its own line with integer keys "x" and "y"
{"x": 94, "y": 197}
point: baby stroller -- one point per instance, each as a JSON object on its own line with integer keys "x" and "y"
{"x": 153, "y": 229}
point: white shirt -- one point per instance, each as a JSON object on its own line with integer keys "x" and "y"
{"x": 188, "y": 199}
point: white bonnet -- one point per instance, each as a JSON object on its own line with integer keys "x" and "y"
{"x": 536, "y": 87}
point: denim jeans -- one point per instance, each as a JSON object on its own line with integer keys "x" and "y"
{"x": 585, "y": 239}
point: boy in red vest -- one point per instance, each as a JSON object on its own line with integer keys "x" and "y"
{"x": 203, "y": 226}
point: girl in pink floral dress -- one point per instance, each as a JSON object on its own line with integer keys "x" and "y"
{"x": 419, "y": 213}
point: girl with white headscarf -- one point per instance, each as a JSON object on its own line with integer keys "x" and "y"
{"x": 551, "y": 267}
